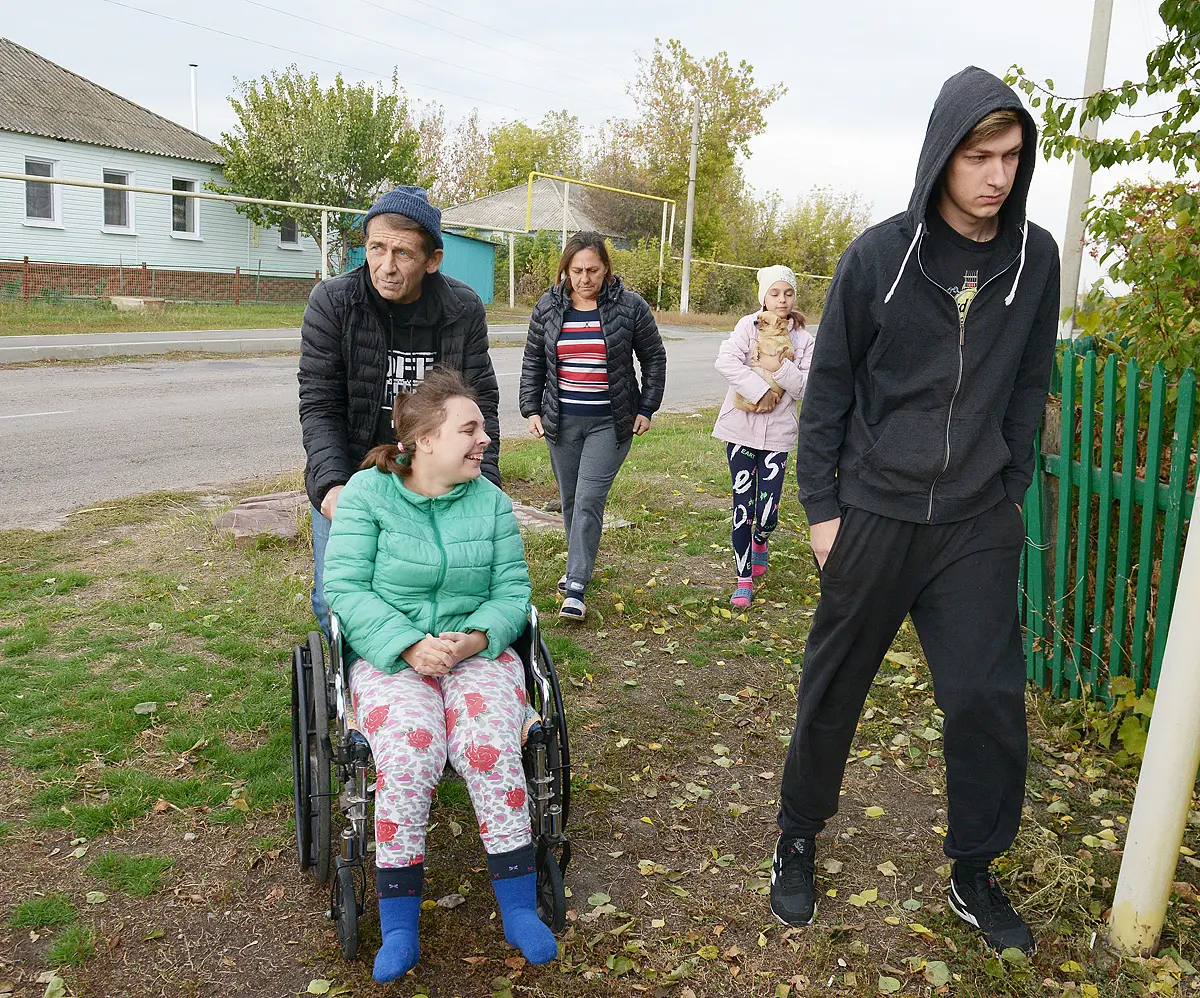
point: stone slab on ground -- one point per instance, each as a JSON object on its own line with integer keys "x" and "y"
{"x": 274, "y": 515}
{"x": 124, "y": 303}
{"x": 533, "y": 518}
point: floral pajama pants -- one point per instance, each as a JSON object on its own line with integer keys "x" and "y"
{"x": 473, "y": 717}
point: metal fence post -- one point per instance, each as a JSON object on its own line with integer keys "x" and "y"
{"x": 25, "y": 280}
{"x": 324, "y": 245}
{"x": 237, "y": 280}
{"x": 662, "y": 248}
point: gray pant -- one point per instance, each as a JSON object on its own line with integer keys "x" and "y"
{"x": 585, "y": 458}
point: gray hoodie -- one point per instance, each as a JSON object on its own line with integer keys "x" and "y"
{"x": 902, "y": 416}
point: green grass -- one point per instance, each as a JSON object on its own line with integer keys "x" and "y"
{"x": 41, "y": 913}
{"x": 71, "y": 947}
{"x": 43, "y": 317}
{"x": 138, "y": 876}
{"x": 143, "y": 603}
{"x": 203, "y": 634}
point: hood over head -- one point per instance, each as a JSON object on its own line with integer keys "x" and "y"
{"x": 965, "y": 100}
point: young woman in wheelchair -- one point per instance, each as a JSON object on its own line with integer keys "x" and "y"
{"x": 426, "y": 572}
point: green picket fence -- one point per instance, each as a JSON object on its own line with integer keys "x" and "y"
{"x": 1105, "y": 519}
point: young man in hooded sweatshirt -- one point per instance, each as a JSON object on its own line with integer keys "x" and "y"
{"x": 928, "y": 381}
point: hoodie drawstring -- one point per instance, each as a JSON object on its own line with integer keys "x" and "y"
{"x": 1020, "y": 266}
{"x": 911, "y": 246}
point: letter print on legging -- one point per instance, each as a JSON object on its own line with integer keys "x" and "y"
{"x": 758, "y": 477}
{"x": 473, "y": 716}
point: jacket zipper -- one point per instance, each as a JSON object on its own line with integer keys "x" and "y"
{"x": 437, "y": 537}
{"x": 387, "y": 352}
{"x": 962, "y": 339}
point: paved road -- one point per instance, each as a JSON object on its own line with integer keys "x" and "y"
{"x": 86, "y": 346}
{"x": 76, "y": 436}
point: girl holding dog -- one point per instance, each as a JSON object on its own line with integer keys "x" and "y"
{"x": 426, "y": 572}
{"x": 766, "y": 361}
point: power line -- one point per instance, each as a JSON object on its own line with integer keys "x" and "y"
{"x": 509, "y": 34}
{"x": 410, "y": 52}
{"x": 309, "y": 55}
{"x": 494, "y": 48}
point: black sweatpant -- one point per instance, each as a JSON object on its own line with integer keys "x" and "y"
{"x": 959, "y": 582}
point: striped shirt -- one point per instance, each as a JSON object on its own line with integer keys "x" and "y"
{"x": 583, "y": 366}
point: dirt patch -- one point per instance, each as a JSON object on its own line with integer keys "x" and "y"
{"x": 531, "y": 493}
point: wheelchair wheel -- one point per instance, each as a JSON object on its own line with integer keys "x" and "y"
{"x": 345, "y": 911}
{"x": 301, "y": 776}
{"x": 563, "y": 763}
{"x": 551, "y": 894}
{"x": 322, "y": 751}
{"x": 312, "y": 757}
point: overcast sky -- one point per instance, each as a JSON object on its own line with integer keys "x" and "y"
{"x": 861, "y": 74}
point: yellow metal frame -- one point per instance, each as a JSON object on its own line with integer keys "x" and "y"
{"x": 667, "y": 231}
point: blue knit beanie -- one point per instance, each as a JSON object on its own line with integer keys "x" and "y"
{"x": 411, "y": 202}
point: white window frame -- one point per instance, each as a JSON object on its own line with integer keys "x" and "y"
{"x": 119, "y": 230}
{"x": 294, "y": 246}
{"x": 194, "y": 203}
{"x": 55, "y": 219}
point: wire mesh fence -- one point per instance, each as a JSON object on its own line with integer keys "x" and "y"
{"x": 81, "y": 239}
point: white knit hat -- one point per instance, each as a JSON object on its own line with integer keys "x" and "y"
{"x": 769, "y": 275}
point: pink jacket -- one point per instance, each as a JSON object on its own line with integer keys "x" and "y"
{"x": 775, "y": 430}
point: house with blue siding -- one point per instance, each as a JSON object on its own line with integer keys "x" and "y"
{"x": 88, "y": 241}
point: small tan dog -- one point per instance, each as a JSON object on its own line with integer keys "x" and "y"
{"x": 773, "y": 340}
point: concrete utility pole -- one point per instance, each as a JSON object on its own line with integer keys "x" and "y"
{"x": 685, "y": 286}
{"x": 1164, "y": 792}
{"x": 195, "y": 127}
{"x": 1081, "y": 179}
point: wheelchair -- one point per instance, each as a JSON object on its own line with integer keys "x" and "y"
{"x": 331, "y": 761}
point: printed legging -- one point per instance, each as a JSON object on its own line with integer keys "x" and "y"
{"x": 758, "y": 477}
{"x": 473, "y": 716}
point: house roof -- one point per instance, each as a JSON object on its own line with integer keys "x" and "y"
{"x": 39, "y": 97}
{"x": 506, "y": 211}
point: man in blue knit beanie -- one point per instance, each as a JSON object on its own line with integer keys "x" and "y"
{"x": 370, "y": 335}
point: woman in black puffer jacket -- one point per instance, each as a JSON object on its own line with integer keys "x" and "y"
{"x": 579, "y": 390}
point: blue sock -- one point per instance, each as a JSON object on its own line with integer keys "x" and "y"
{"x": 514, "y": 879}
{"x": 399, "y": 892}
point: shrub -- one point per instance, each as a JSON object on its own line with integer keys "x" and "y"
{"x": 1148, "y": 235}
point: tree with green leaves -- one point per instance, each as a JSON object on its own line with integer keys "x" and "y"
{"x": 478, "y": 163}
{"x": 1172, "y": 69}
{"x": 649, "y": 152}
{"x": 516, "y": 149}
{"x": 1147, "y": 236}
{"x": 295, "y": 141}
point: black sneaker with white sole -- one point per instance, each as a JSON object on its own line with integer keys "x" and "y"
{"x": 977, "y": 899}
{"x": 792, "y": 873}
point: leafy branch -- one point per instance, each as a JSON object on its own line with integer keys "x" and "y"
{"x": 1172, "y": 68}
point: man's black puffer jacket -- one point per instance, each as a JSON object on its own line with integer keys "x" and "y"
{"x": 629, "y": 328}
{"x": 343, "y": 367}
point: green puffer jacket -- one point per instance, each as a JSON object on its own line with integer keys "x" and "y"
{"x": 401, "y": 565}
